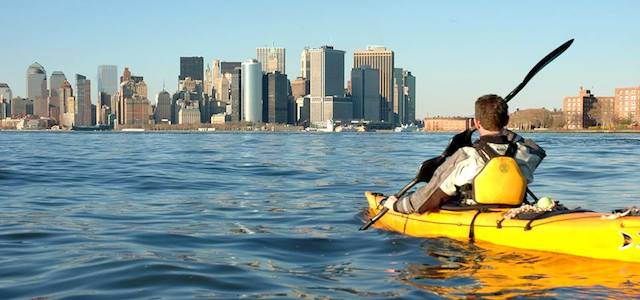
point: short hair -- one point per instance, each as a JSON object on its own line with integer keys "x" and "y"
{"x": 492, "y": 112}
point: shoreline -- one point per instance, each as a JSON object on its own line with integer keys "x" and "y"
{"x": 620, "y": 131}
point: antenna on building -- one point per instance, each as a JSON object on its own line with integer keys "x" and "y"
{"x": 163, "y": 84}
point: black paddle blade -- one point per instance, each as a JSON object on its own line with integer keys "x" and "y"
{"x": 541, "y": 64}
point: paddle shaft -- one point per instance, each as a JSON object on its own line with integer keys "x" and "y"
{"x": 541, "y": 64}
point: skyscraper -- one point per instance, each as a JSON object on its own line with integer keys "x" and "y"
{"x": 409, "y": 97}
{"x": 252, "y": 91}
{"x": 272, "y": 59}
{"x": 83, "y": 100}
{"x": 236, "y": 95}
{"x": 191, "y": 67}
{"x": 163, "y": 107}
{"x": 55, "y": 102}
{"x": 398, "y": 96}
{"x": 365, "y": 93}
{"x": 5, "y": 100}
{"x": 37, "y": 89}
{"x": 133, "y": 107}
{"x": 68, "y": 116}
{"x": 327, "y": 86}
{"x": 275, "y": 98}
{"x": 107, "y": 79}
{"x": 305, "y": 64}
{"x": 382, "y": 59}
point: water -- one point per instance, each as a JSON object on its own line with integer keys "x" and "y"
{"x": 235, "y": 215}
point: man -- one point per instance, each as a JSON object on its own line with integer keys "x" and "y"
{"x": 458, "y": 172}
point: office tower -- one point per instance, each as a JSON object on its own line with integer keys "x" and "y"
{"x": 398, "y": 96}
{"x": 107, "y": 89}
{"x": 252, "y": 91}
{"x": 208, "y": 81}
{"x": 365, "y": 93}
{"x": 5, "y": 100}
{"x": 272, "y": 59}
{"x": 163, "y": 107}
{"x": 275, "y": 98}
{"x": 382, "y": 59}
{"x": 133, "y": 107}
{"x": 20, "y": 107}
{"x": 327, "y": 86}
{"x": 83, "y": 100}
{"x": 191, "y": 67}
{"x": 305, "y": 64}
{"x": 409, "y": 97}
{"x": 236, "y": 95}
{"x": 55, "y": 102}
{"x": 37, "y": 89}
{"x": 68, "y": 114}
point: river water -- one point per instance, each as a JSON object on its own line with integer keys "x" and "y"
{"x": 274, "y": 215}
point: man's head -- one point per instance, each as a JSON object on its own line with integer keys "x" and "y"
{"x": 492, "y": 113}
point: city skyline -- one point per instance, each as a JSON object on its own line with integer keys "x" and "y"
{"x": 449, "y": 47}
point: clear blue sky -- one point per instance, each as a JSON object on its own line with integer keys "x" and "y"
{"x": 458, "y": 50}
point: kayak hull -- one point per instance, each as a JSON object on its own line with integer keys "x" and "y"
{"x": 585, "y": 234}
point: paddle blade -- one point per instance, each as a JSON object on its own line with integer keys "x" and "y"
{"x": 541, "y": 64}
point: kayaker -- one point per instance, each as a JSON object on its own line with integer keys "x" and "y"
{"x": 454, "y": 178}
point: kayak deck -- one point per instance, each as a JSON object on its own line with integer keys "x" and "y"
{"x": 582, "y": 233}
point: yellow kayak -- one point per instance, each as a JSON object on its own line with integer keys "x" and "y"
{"x": 586, "y": 234}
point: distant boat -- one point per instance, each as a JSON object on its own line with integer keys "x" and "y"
{"x": 407, "y": 128}
{"x": 133, "y": 129}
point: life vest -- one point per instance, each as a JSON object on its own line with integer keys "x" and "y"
{"x": 500, "y": 182}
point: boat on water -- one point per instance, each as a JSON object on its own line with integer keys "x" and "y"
{"x": 133, "y": 129}
{"x": 407, "y": 128}
{"x": 574, "y": 232}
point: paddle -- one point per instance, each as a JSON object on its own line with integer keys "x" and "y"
{"x": 428, "y": 167}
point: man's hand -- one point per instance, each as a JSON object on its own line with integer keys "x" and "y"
{"x": 388, "y": 203}
{"x": 462, "y": 139}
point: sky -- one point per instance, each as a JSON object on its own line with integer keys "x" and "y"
{"x": 458, "y": 50}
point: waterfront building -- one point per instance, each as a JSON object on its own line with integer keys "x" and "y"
{"x": 382, "y": 59}
{"x": 409, "y": 98}
{"x": 191, "y": 67}
{"x": 107, "y": 90}
{"x": 327, "y": 101}
{"x": 252, "y": 91}
{"x": 68, "y": 108}
{"x": 83, "y": 100}
{"x": 448, "y": 124}
{"x": 132, "y": 105}
{"x": 577, "y": 108}
{"x": 5, "y": 100}
{"x": 275, "y": 98}
{"x": 21, "y": 107}
{"x": 398, "y": 96}
{"x": 163, "y": 107}
{"x": 189, "y": 115}
{"x": 300, "y": 87}
{"x": 37, "y": 89}
{"x": 305, "y": 64}
{"x": 271, "y": 59}
{"x": 627, "y": 104}
{"x": 303, "y": 111}
{"x": 55, "y": 102}
{"x": 236, "y": 95}
{"x": 365, "y": 93}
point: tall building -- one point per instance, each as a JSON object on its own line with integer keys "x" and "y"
{"x": 68, "y": 114}
{"x": 236, "y": 95}
{"x": 382, "y": 59}
{"x": 5, "y": 100}
{"x": 272, "y": 59}
{"x": 208, "y": 81}
{"x": 163, "y": 107}
{"x": 191, "y": 67}
{"x": 327, "y": 101}
{"x": 55, "y": 102}
{"x": 132, "y": 107}
{"x": 305, "y": 64}
{"x": 252, "y": 91}
{"x": 37, "y": 89}
{"x": 398, "y": 96}
{"x": 300, "y": 87}
{"x": 365, "y": 93}
{"x": 83, "y": 100}
{"x": 409, "y": 97}
{"x": 107, "y": 90}
{"x": 275, "y": 98}
{"x": 627, "y": 103}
